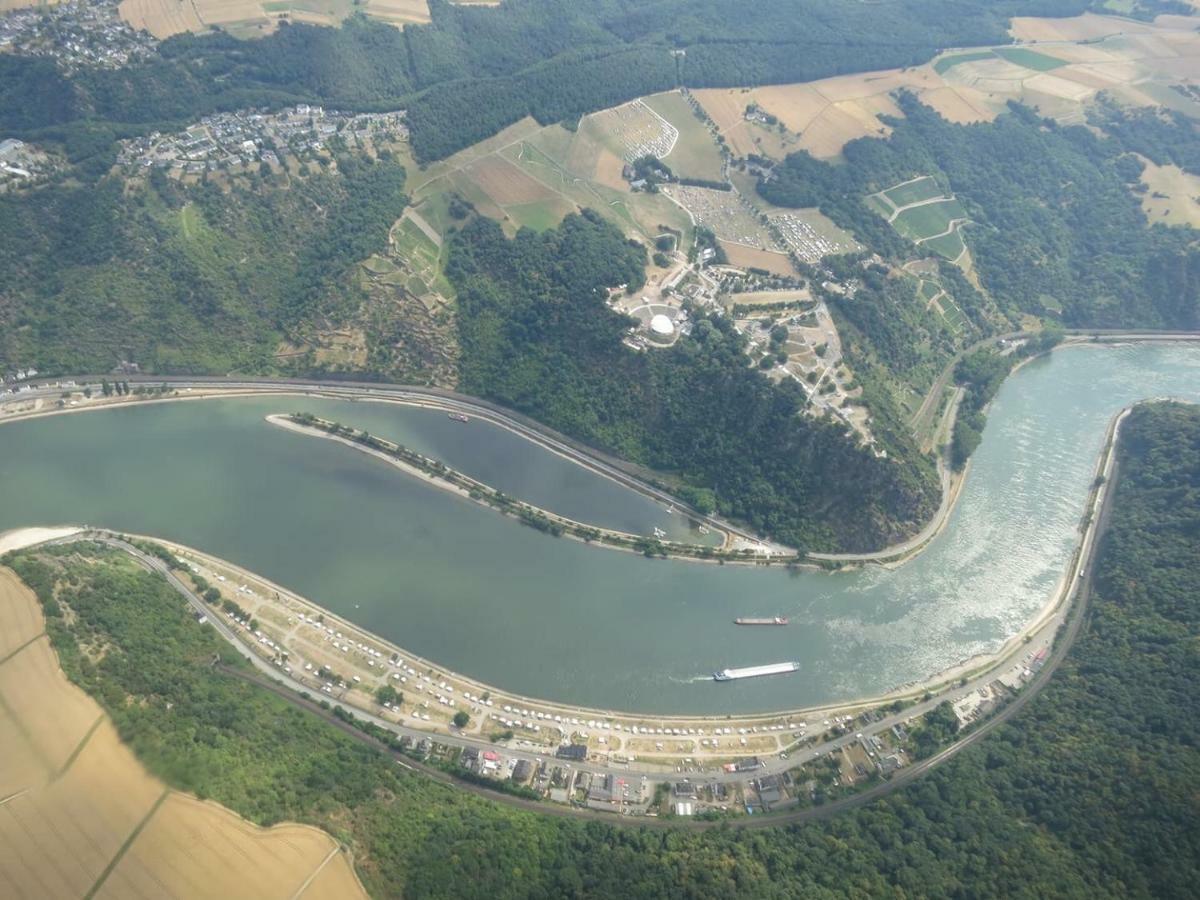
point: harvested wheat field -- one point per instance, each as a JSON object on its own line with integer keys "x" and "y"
{"x": 162, "y": 18}
{"x": 1173, "y": 196}
{"x": 23, "y": 766}
{"x": 80, "y": 816}
{"x": 399, "y": 12}
{"x": 54, "y": 715}
{"x": 823, "y": 116}
{"x": 1087, "y": 27}
{"x": 200, "y": 848}
{"x": 608, "y": 170}
{"x": 20, "y": 619}
{"x": 505, "y": 183}
{"x": 59, "y": 838}
{"x": 255, "y": 18}
{"x": 752, "y": 258}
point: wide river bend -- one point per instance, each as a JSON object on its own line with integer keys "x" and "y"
{"x": 556, "y": 619}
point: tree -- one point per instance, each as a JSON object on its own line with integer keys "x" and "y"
{"x": 388, "y": 695}
{"x": 461, "y": 719}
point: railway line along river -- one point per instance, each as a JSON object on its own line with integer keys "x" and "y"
{"x": 502, "y": 603}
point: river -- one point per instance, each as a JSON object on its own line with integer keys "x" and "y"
{"x": 552, "y": 618}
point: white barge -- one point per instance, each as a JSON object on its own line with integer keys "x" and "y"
{"x": 782, "y": 668}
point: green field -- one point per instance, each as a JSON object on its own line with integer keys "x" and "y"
{"x": 696, "y": 154}
{"x": 564, "y": 160}
{"x": 423, "y": 258}
{"x": 921, "y": 222}
{"x": 1030, "y": 59}
{"x": 924, "y": 188}
{"x": 946, "y": 63}
{"x": 949, "y": 245}
{"x": 879, "y": 206}
{"x": 539, "y": 215}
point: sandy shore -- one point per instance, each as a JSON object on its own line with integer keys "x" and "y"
{"x": 20, "y": 538}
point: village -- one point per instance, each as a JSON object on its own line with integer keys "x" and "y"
{"x": 627, "y": 765}
{"x": 235, "y": 140}
{"x": 75, "y": 34}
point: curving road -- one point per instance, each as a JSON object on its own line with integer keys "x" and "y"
{"x": 271, "y": 678}
{"x": 627, "y": 474}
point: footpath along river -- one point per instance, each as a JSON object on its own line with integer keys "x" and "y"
{"x": 556, "y": 619}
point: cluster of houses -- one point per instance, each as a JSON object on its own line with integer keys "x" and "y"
{"x": 235, "y": 140}
{"x": 21, "y": 162}
{"x": 77, "y": 34}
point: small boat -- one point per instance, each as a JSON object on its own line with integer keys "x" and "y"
{"x": 704, "y": 529}
{"x": 773, "y": 620}
{"x": 659, "y": 533}
{"x": 457, "y": 417}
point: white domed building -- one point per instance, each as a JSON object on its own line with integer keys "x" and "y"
{"x": 662, "y": 327}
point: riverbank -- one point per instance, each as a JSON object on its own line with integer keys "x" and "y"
{"x": 437, "y": 474}
{"x": 762, "y": 553}
{"x": 287, "y": 620}
{"x": 738, "y": 546}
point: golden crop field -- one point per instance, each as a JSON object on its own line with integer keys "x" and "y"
{"x": 1173, "y": 196}
{"x": 79, "y": 814}
{"x": 162, "y": 18}
{"x": 54, "y": 715}
{"x": 200, "y": 848}
{"x": 505, "y": 183}
{"x": 255, "y": 18}
{"x": 1086, "y": 27}
{"x": 20, "y": 621}
{"x": 823, "y": 116}
{"x": 399, "y": 12}
{"x": 752, "y": 258}
{"x": 1133, "y": 61}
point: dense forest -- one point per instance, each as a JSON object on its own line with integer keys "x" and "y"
{"x": 1057, "y": 228}
{"x": 1088, "y": 793}
{"x": 183, "y": 278}
{"x": 538, "y": 336}
{"x": 475, "y": 69}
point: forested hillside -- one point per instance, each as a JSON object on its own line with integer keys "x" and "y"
{"x": 1056, "y": 227}
{"x": 178, "y": 278}
{"x": 537, "y": 336}
{"x": 1090, "y": 792}
{"x": 475, "y": 69}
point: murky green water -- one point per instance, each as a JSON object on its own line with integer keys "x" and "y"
{"x": 553, "y": 618}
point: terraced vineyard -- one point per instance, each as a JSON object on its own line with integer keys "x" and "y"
{"x": 922, "y": 211}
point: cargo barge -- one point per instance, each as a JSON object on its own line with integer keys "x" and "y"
{"x": 782, "y": 668}
{"x": 774, "y": 620}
